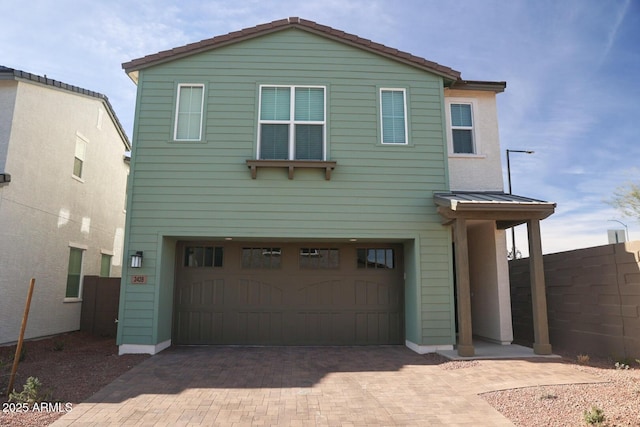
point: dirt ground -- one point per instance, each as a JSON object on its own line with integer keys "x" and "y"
{"x": 71, "y": 367}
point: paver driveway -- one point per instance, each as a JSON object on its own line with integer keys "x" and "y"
{"x": 309, "y": 386}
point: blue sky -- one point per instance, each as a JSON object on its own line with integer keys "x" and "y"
{"x": 572, "y": 69}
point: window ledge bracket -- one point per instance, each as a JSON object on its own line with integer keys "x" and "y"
{"x": 291, "y": 165}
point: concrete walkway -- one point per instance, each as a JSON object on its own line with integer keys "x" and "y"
{"x": 300, "y": 386}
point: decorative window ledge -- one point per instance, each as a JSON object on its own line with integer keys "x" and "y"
{"x": 291, "y": 165}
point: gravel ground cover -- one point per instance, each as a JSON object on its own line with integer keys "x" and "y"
{"x": 72, "y": 367}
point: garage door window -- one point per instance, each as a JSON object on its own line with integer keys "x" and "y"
{"x": 261, "y": 258}
{"x": 376, "y": 258}
{"x": 319, "y": 259}
{"x": 203, "y": 256}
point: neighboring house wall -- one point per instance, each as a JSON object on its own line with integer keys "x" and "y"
{"x": 593, "y": 300}
{"x": 45, "y": 210}
{"x": 377, "y": 192}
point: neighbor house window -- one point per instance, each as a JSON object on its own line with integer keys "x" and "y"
{"x": 461, "y": 116}
{"x": 393, "y": 108}
{"x": 189, "y": 108}
{"x": 292, "y": 123}
{"x": 80, "y": 153}
{"x": 105, "y": 265}
{"x": 74, "y": 273}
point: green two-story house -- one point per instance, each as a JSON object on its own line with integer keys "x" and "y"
{"x": 293, "y": 184}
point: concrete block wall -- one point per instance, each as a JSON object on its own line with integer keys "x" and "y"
{"x": 593, "y": 300}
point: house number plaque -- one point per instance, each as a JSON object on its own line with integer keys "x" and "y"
{"x": 138, "y": 280}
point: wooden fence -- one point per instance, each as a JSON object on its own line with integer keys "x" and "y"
{"x": 100, "y": 300}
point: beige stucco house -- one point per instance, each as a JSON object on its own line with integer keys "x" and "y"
{"x": 63, "y": 174}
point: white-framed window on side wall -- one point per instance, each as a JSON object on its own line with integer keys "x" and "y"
{"x": 461, "y": 126}
{"x": 393, "y": 116}
{"x": 189, "y": 112}
{"x": 105, "y": 263}
{"x": 79, "y": 156}
{"x": 73, "y": 290}
{"x": 292, "y": 123}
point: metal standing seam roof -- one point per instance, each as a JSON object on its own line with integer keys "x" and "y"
{"x": 133, "y": 66}
{"x": 11, "y": 73}
{"x": 469, "y": 200}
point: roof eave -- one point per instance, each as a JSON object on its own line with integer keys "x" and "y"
{"x": 199, "y": 47}
{"x": 464, "y": 206}
{"x": 450, "y": 75}
{"x": 488, "y": 86}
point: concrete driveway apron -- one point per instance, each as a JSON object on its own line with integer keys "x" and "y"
{"x": 389, "y": 385}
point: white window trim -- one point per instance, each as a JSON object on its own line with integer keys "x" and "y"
{"x": 406, "y": 116}
{"x": 292, "y": 121}
{"x": 175, "y": 123}
{"x": 84, "y": 249}
{"x": 80, "y": 139}
{"x": 477, "y": 146}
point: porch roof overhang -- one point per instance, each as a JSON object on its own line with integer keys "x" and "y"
{"x": 508, "y": 210}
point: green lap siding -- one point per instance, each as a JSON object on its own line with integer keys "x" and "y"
{"x": 204, "y": 189}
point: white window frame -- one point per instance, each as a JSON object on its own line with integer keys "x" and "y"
{"x": 406, "y": 116}
{"x": 80, "y": 153}
{"x": 292, "y": 122}
{"x": 177, "y": 109}
{"x": 83, "y": 249}
{"x": 104, "y": 252}
{"x": 474, "y": 126}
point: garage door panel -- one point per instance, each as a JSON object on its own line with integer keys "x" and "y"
{"x": 377, "y": 295}
{"x": 323, "y": 293}
{"x": 251, "y": 327}
{"x": 197, "y": 327}
{"x": 254, "y": 293}
{"x": 293, "y": 299}
{"x": 205, "y": 293}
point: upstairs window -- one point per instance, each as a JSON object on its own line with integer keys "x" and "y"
{"x": 189, "y": 107}
{"x": 79, "y": 157}
{"x": 292, "y": 123}
{"x": 393, "y": 115}
{"x": 462, "y": 128}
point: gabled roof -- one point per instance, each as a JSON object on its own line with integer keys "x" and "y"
{"x": 7, "y": 73}
{"x": 132, "y": 67}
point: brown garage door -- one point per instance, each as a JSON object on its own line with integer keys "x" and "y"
{"x": 288, "y": 294}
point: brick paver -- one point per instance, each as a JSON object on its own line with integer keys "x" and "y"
{"x": 302, "y": 386}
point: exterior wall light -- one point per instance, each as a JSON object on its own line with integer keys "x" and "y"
{"x": 136, "y": 260}
{"x": 5, "y": 178}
